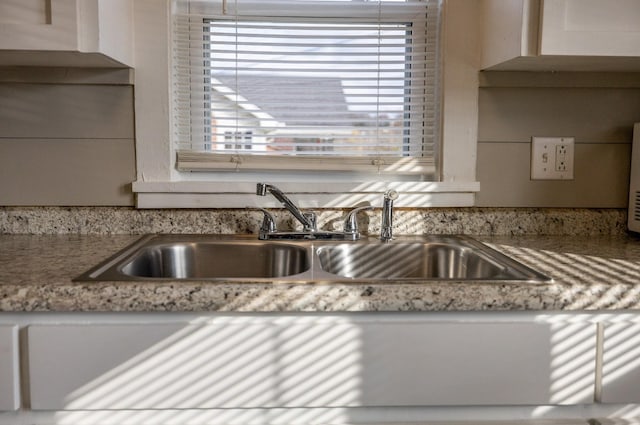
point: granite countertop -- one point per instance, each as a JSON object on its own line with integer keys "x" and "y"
{"x": 590, "y": 273}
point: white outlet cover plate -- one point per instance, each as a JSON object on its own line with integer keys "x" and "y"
{"x": 544, "y": 159}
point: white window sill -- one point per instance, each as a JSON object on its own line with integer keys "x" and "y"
{"x": 198, "y": 194}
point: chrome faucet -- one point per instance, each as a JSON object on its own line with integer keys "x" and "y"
{"x": 308, "y": 220}
{"x": 350, "y": 224}
{"x": 386, "y": 229}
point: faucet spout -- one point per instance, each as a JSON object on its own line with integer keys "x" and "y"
{"x": 263, "y": 188}
{"x": 386, "y": 229}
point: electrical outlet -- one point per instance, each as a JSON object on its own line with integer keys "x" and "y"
{"x": 561, "y": 158}
{"x": 552, "y": 158}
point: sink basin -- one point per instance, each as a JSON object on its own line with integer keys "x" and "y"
{"x": 201, "y": 257}
{"x": 445, "y": 259}
{"x": 217, "y": 259}
{"x": 228, "y": 257}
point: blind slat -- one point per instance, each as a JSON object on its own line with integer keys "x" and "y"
{"x": 299, "y": 42}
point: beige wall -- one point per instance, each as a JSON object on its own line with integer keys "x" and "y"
{"x": 66, "y": 137}
{"x": 598, "y": 109}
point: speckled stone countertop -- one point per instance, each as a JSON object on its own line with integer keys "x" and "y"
{"x": 589, "y": 272}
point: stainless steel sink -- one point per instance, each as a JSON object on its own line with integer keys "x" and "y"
{"x": 217, "y": 259}
{"x": 202, "y": 257}
{"x": 237, "y": 258}
{"x": 445, "y": 258}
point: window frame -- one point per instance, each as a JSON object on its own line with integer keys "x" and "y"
{"x": 160, "y": 185}
{"x": 367, "y": 166}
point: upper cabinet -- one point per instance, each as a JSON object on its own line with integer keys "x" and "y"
{"x": 561, "y": 35}
{"x": 590, "y": 27}
{"x": 87, "y": 33}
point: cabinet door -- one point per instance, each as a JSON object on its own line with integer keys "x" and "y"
{"x": 590, "y": 28}
{"x": 369, "y": 360}
{"x": 56, "y": 32}
{"x": 95, "y": 366}
{"x": 621, "y": 363}
{"x": 479, "y": 363}
{"x": 39, "y": 25}
{"x": 9, "y": 368}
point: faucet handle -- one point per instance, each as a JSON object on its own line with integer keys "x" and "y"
{"x": 350, "y": 223}
{"x": 312, "y": 218}
{"x": 268, "y": 222}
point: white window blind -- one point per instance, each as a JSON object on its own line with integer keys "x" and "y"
{"x": 307, "y": 85}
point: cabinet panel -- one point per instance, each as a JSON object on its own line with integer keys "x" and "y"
{"x": 302, "y": 362}
{"x": 621, "y": 363}
{"x": 151, "y": 366}
{"x": 9, "y": 368}
{"x": 590, "y": 28}
{"x": 66, "y": 33}
{"x": 478, "y": 363}
{"x": 561, "y": 35}
{"x": 44, "y": 25}
{"x": 510, "y": 29}
{"x": 34, "y": 12}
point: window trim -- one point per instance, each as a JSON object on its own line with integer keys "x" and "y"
{"x": 160, "y": 185}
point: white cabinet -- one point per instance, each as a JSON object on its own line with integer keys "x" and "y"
{"x": 66, "y": 33}
{"x": 310, "y": 361}
{"x": 590, "y": 27}
{"x": 571, "y": 35}
{"x": 9, "y": 368}
{"x": 621, "y": 363}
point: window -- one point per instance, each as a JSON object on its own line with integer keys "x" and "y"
{"x": 177, "y": 166}
{"x": 324, "y": 85}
